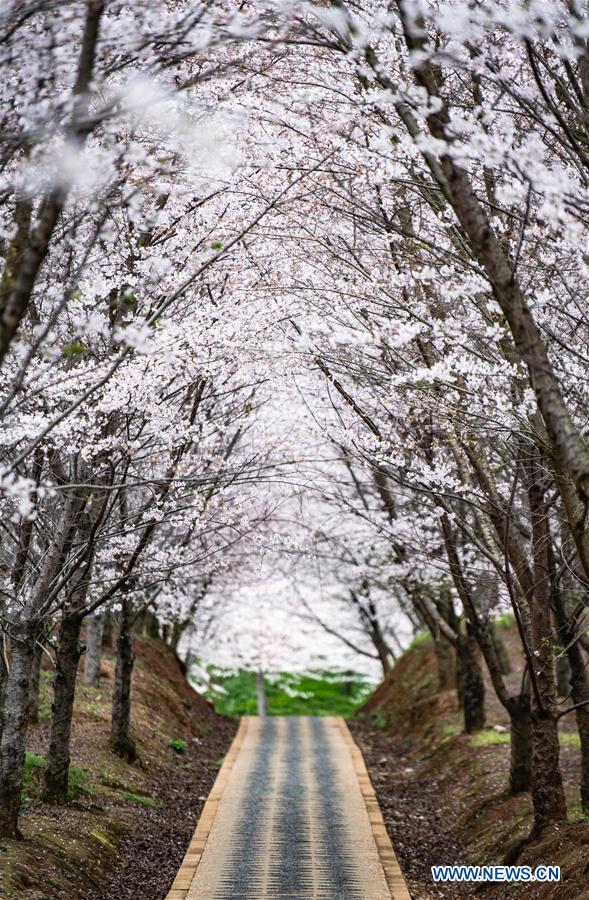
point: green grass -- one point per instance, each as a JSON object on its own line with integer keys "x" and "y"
{"x": 79, "y": 781}
{"x": 577, "y": 816}
{"x": 570, "y": 739}
{"x": 316, "y": 693}
{"x": 142, "y": 799}
{"x": 488, "y": 737}
{"x": 450, "y": 730}
{"x": 504, "y": 620}
{"x": 381, "y": 719}
{"x": 179, "y": 745}
{"x": 33, "y": 773}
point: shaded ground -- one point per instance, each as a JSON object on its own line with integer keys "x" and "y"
{"x": 443, "y": 793}
{"x": 412, "y": 812}
{"x": 126, "y": 828}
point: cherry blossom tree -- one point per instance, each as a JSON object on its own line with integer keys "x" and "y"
{"x": 306, "y": 283}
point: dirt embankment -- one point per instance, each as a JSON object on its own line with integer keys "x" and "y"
{"x": 443, "y": 793}
{"x": 125, "y": 830}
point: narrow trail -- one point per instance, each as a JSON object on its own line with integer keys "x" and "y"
{"x": 292, "y": 814}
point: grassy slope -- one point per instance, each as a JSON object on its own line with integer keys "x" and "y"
{"x": 71, "y": 852}
{"x": 469, "y": 775}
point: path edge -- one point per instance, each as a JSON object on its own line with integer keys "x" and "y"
{"x": 185, "y": 874}
{"x": 392, "y": 870}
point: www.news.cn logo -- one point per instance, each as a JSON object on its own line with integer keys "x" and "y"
{"x": 495, "y": 873}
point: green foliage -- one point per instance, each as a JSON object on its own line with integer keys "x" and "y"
{"x": 421, "y": 639}
{"x": 178, "y": 745}
{"x": 488, "y": 737}
{"x": 74, "y": 348}
{"x": 315, "y": 693}
{"x": 217, "y": 245}
{"x": 504, "y": 620}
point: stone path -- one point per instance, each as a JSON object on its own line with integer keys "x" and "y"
{"x": 292, "y": 814}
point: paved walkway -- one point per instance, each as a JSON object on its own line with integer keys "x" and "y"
{"x": 292, "y": 814}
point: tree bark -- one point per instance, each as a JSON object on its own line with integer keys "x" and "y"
{"x": 94, "y": 632}
{"x": 500, "y": 649}
{"x": 24, "y": 633}
{"x": 107, "y": 630}
{"x": 382, "y": 648}
{"x": 12, "y": 745}
{"x": 520, "y": 770}
{"x": 152, "y": 629}
{"x": 445, "y": 664}
{"x": 3, "y": 675}
{"x": 582, "y": 713}
{"x": 471, "y": 687}
{"x": 563, "y": 675}
{"x": 68, "y": 655}
{"x": 578, "y": 685}
{"x": 121, "y": 741}
{"x": 547, "y": 788}
{"x": 35, "y": 684}
{"x": 469, "y": 677}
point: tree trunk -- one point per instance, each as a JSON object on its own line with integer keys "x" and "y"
{"x": 469, "y": 677}
{"x": 3, "y": 675}
{"x": 35, "y": 684}
{"x": 547, "y": 789}
{"x": 383, "y": 651}
{"x": 579, "y": 683}
{"x": 140, "y": 624}
{"x": 578, "y": 689}
{"x": 520, "y": 771}
{"x": 152, "y": 629}
{"x": 261, "y": 695}
{"x": 445, "y": 663}
{"x": 471, "y": 687}
{"x": 177, "y": 631}
{"x": 563, "y": 675}
{"x": 12, "y": 745}
{"x": 68, "y": 655}
{"x": 582, "y": 713}
{"x": 121, "y": 741}
{"x": 107, "y": 631}
{"x": 377, "y": 636}
{"x": 94, "y": 631}
{"x": 500, "y": 649}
